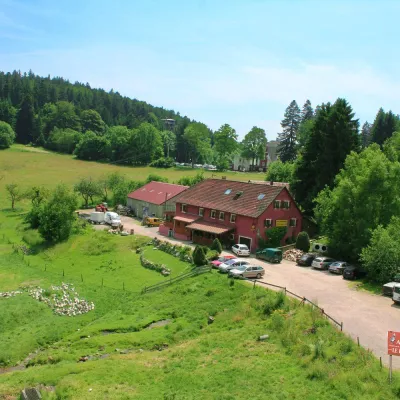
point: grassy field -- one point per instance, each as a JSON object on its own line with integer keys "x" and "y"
{"x": 28, "y": 166}
{"x": 182, "y": 356}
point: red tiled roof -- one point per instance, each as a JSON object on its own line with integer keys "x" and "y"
{"x": 209, "y": 227}
{"x": 157, "y": 192}
{"x": 186, "y": 219}
{"x": 210, "y": 193}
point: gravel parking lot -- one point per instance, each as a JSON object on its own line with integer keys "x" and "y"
{"x": 363, "y": 314}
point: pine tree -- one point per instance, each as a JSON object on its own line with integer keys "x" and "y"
{"x": 384, "y": 126}
{"x": 333, "y": 136}
{"x": 378, "y": 127}
{"x": 307, "y": 112}
{"x": 287, "y": 138}
{"x": 365, "y": 135}
{"x": 24, "y": 126}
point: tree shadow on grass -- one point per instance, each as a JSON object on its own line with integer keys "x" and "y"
{"x": 17, "y": 212}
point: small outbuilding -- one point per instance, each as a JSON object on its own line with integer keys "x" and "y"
{"x": 154, "y": 199}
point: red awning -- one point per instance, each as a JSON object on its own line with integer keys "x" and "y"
{"x": 188, "y": 219}
{"x": 210, "y": 227}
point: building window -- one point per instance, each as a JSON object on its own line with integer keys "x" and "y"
{"x": 233, "y": 218}
{"x": 221, "y": 216}
{"x": 277, "y": 204}
{"x": 293, "y": 222}
{"x": 184, "y": 208}
{"x": 232, "y": 236}
{"x": 268, "y": 223}
{"x": 201, "y": 212}
{"x": 213, "y": 214}
{"x": 286, "y": 204}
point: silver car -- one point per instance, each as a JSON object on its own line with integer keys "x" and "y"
{"x": 226, "y": 267}
{"x": 338, "y": 267}
{"x": 322, "y": 262}
{"x": 247, "y": 271}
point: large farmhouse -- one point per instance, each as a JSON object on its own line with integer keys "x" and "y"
{"x": 234, "y": 212}
{"x": 154, "y": 199}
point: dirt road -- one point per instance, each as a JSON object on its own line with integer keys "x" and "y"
{"x": 364, "y": 315}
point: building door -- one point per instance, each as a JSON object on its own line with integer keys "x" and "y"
{"x": 246, "y": 241}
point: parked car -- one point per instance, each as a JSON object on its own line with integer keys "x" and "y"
{"x": 338, "y": 267}
{"x": 353, "y": 272}
{"x": 247, "y": 271}
{"x": 322, "y": 262}
{"x": 270, "y": 255}
{"x": 387, "y": 288}
{"x": 396, "y": 293}
{"x": 232, "y": 264}
{"x": 221, "y": 260}
{"x": 306, "y": 259}
{"x": 241, "y": 250}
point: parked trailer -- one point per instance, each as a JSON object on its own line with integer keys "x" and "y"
{"x": 97, "y": 217}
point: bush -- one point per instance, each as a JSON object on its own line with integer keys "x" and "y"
{"x": 7, "y": 135}
{"x": 163, "y": 162}
{"x": 191, "y": 180}
{"x": 303, "y": 242}
{"x": 216, "y": 245}
{"x": 212, "y": 255}
{"x": 92, "y": 147}
{"x": 274, "y": 236}
{"x": 63, "y": 140}
{"x": 199, "y": 257}
{"x": 156, "y": 178}
{"x": 57, "y": 216}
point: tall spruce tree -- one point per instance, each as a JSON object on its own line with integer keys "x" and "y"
{"x": 307, "y": 112}
{"x": 384, "y": 126}
{"x": 25, "y": 125}
{"x": 333, "y": 136}
{"x": 365, "y": 135}
{"x": 287, "y": 138}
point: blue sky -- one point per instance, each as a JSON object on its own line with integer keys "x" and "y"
{"x": 217, "y": 61}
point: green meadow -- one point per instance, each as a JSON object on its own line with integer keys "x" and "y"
{"x": 159, "y": 345}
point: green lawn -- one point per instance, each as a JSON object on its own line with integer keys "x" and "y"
{"x": 184, "y": 357}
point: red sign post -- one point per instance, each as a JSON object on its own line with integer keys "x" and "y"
{"x": 393, "y": 349}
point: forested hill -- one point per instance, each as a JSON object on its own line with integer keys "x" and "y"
{"x": 114, "y": 109}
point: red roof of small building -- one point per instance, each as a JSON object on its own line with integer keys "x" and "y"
{"x": 157, "y": 192}
{"x": 243, "y": 198}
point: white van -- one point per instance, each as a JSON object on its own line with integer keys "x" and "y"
{"x": 396, "y": 293}
{"x": 112, "y": 218}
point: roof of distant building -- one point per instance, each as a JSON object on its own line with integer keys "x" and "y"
{"x": 243, "y": 198}
{"x": 157, "y": 192}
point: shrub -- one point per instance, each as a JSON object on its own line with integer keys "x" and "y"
{"x": 7, "y": 135}
{"x": 156, "y": 178}
{"x": 303, "y": 242}
{"x": 163, "y": 162}
{"x": 274, "y": 236}
{"x": 63, "y": 140}
{"x": 57, "y": 216}
{"x": 216, "y": 245}
{"x": 199, "y": 257}
{"x": 212, "y": 255}
{"x": 191, "y": 180}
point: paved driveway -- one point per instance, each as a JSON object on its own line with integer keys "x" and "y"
{"x": 364, "y": 315}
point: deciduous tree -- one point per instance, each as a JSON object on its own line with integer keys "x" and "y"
{"x": 366, "y": 194}
{"x": 197, "y": 137}
{"x": 91, "y": 121}
{"x": 15, "y": 194}
{"x": 87, "y": 188}
{"x": 280, "y": 172}
{"x": 7, "y": 135}
{"x": 225, "y": 140}
{"x": 254, "y": 144}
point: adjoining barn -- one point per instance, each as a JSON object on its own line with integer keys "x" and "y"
{"x": 154, "y": 199}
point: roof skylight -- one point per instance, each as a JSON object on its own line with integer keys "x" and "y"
{"x": 228, "y": 191}
{"x": 260, "y": 196}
